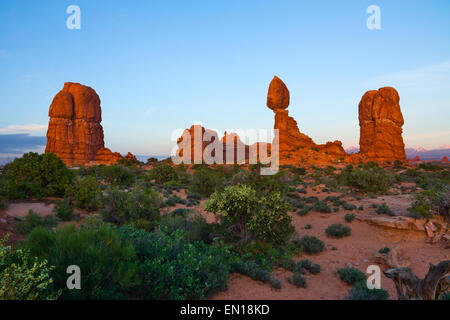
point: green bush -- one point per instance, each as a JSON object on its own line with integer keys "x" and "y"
{"x": 122, "y": 207}
{"x": 338, "y": 230}
{"x": 308, "y": 265}
{"x": 171, "y": 267}
{"x": 163, "y": 173}
{"x": 348, "y": 206}
{"x": 322, "y": 207}
{"x": 116, "y": 175}
{"x": 33, "y": 220}
{"x": 23, "y": 277}
{"x": 384, "y": 209}
{"x": 310, "y": 244}
{"x": 298, "y": 280}
{"x": 3, "y": 203}
{"x": 384, "y": 250}
{"x": 108, "y": 263}
{"x": 361, "y": 292}
{"x": 195, "y": 227}
{"x": 368, "y": 180}
{"x": 205, "y": 181}
{"x": 253, "y": 270}
{"x": 36, "y": 176}
{"x": 249, "y": 217}
{"x": 351, "y": 275}
{"x": 349, "y": 217}
{"x": 86, "y": 193}
{"x": 304, "y": 211}
{"x": 421, "y": 207}
{"x": 63, "y": 210}
{"x": 430, "y": 167}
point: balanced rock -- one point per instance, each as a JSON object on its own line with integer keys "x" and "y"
{"x": 444, "y": 159}
{"x": 292, "y": 144}
{"x": 74, "y": 132}
{"x": 381, "y": 121}
{"x": 278, "y": 96}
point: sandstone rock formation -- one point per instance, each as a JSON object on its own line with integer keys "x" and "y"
{"x": 294, "y": 145}
{"x": 197, "y": 142}
{"x": 444, "y": 159}
{"x": 74, "y": 131}
{"x": 381, "y": 121}
{"x": 131, "y": 157}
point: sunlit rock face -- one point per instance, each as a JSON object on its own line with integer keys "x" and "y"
{"x": 381, "y": 121}
{"x": 74, "y": 132}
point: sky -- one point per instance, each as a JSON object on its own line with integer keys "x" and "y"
{"x": 159, "y": 66}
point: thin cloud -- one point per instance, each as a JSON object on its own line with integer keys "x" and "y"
{"x": 434, "y": 75}
{"x": 30, "y": 128}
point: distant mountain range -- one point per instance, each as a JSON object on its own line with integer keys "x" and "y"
{"x": 423, "y": 154}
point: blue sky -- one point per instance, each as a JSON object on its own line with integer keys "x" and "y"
{"x": 162, "y": 65}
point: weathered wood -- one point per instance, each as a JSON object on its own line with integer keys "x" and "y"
{"x": 410, "y": 287}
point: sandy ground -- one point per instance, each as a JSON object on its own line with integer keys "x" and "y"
{"x": 356, "y": 251}
{"x": 20, "y": 209}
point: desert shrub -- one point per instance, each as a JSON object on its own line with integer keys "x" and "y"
{"x": 122, "y": 207}
{"x": 384, "y": 250}
{"x": 33, "y": 220}
{"x": 361, "y": 292}
{"x": 302, "y": 190}
{"x": 276, "y": 284}
{"x": 276, "y": 183}
{"x": 3, "y": 203}
{"x": 86, "y": 193}
{"x": 298, "y": 280}
{"x": 116, "y": 175}
{"x": 322, "y": 207}
{"x": 351, "y": 275}
{"x": 312, "y": 199}
{"x": 195, "y": 227}
{"x": 248, "y": 217}
{"x": 349, "y": 217}
{"x": 108, "y": 263}
{"x": 348, "y": 206}
{"x": 181, "y": 212}
{"x": 271, "y": 223}
{"x": 430, "y": 167}
{"x": 338, "y": 230}
{"x": 384, "y": 209}
{"x": 63, "y": 210}
{"x": 171, "y": 267}
{"x": 308, "y": 226}
{"x": 193, "y": 199}
{"x": 421, "y": 207}
{"x": 314, "y": 268}
{"x": 308, "y": 265}
{"x": 23, "y": 277}
{"x": 368, "y": 180}
{"x": 163, "y": 173}
{"x": 304, "y": 211}
{"x": 205, "y": 181}
{"x": 310, "y": 244}
{"x": 253, "y": 270}
{"x": 36, "y": 176}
